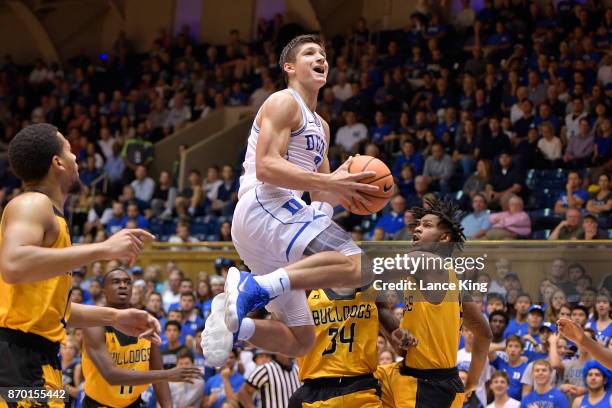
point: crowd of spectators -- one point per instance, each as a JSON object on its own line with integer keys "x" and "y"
{"x": 505, "y": 110}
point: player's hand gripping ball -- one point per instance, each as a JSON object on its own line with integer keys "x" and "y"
{"x": 383, "y": 179}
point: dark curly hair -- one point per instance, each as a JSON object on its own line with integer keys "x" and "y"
{"x": 448, "y": 213}
{"x": 31, "y": 150}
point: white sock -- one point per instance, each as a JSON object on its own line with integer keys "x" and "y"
{"x": 247, "y": 329}
{"x": 275, "y": 283}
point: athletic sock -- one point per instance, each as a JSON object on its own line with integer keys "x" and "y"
{"x": 247, "y": 329}
{"x": 275, "y": 283}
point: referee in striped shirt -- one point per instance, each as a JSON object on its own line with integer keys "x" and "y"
{"x": 276, "y": 381}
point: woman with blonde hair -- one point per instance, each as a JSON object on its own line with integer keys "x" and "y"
{"x": 554, "y": 305}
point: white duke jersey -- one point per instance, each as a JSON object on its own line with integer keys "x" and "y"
{"x": 307, "y": 148}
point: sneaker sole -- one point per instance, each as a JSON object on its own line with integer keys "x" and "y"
{"x": 231, "y": 300}
{"x": 217, "y": 341}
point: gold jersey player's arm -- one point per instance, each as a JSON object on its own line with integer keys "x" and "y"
{"x": 474, "y": 321}
{"x": 95, "y": 345}
{"x": 29, "y": 227}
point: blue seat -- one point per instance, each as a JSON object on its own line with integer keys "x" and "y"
{"x": 199, "y": 228}
{"x": 169, "y": 228}
{"x": 156, "y": 228}
{"x": 544, "y": 219}
{"x": 541, "y": 234}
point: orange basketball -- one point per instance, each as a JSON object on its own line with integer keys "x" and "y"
{"x": 383, "y": 179}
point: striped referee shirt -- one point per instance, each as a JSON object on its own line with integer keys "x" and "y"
{"x": 275, "y": 384}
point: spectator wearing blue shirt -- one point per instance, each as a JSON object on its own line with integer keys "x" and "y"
{"x": 405, "y": 183}
{"x": 545, "y": 114}
{"x": 442, "y": 98}
{"x": 191, "y": 320}
{"x": 393, "y": 221}
{"x": 535, "y": 318}
{"x": 227, "y": 194}
{"x": 449, "y": 125}
{"x": 512, "y": 363}
{"x": 542, "y": 349}
{"x": 118, "y": 220}
{"x": 544, "y": 395}
{"x": 518, "y": 325}
{"x": 601, "y": 323}
{"x": 90, "y": 172}
{"x": 597, "y": 379}
{"x": 409, "y": 156}
{"x": 476, "y": 224}
{"x": 574, "y": 196}
{"x": 223, "y": 385}
{"x": 500, "y": 42}
{"x": 380, "y": 129}
{"x": 134, "y": 215}
{"x": 435, "y": 29}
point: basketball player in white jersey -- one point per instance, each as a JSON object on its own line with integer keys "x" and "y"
{"x": 289, "y": 246}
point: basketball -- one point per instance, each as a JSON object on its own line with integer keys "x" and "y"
{"x": 383, "y": 179}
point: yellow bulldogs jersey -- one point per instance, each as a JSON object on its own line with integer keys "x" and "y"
{"x": 128, "y": 353}
{"x": 41, "y": 307}
{"x": 346, "y": 330}
{"x": 436, "y": 326}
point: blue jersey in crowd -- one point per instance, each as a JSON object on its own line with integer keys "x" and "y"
{"x": 552, "y": 399}
{"x": 215, "y": 384}
{"x": 514, "y": 375}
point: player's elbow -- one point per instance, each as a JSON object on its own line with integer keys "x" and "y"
{"x": 10, "y": 271}
{"x": 263, "y": 170}
{"x": 355, "y": 272}
{"x": 306, "y": 343}
{"x": 112, "y": 379}
{"x": 483, "y": 333}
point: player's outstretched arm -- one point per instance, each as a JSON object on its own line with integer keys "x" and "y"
{"x": 24, "y": 259}
{"x": 134, "y": 322}
{"x": 575, "y": 333}
{"x": 94, "y": 341}
{"x": 476, "y": 323}
{"x": 279, "y": 114}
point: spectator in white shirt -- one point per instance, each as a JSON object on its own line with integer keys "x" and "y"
{"x": 179, "y": 113}
{"x": 186, "y": 394}
{"x": 466, "y": 17}
{"x": 40, "y": 73}
{"x": 212, "y": 183}
{"x": 604, "y": 73}
{"x": 516, "y": 111}
{"x": 349, "y": 135}
{"x": 464, "y": 358}
{"x": 172, "y": 293}
{"x": 182, "y": 236}
{"x": 550, "y": 145}
{"x": 106, "y": 142}
{"x": 572, "y": 121}
{"x": 143, "y": 186}
{"x": 499, "y": 387}
{"x": 343, "y": 89}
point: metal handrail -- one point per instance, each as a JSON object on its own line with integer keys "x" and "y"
{"x": 94, "y": 183}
